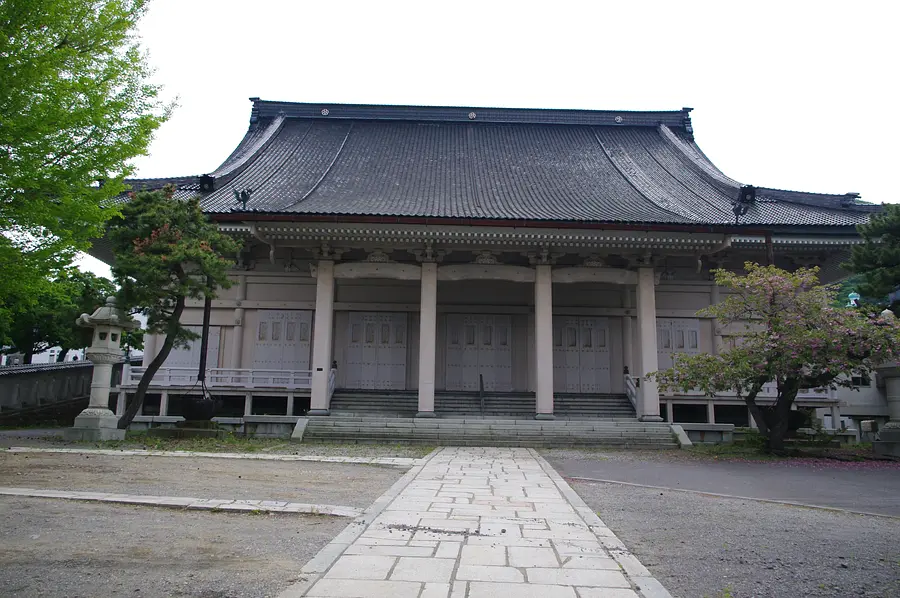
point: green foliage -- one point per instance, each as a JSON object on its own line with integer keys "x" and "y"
{"x": 787, "y": 332}
{"x": 167, "y": 251}
{"x": 75, "y": 107}
{"x": 49, "y": 320}
{"x": 878, "y": 258}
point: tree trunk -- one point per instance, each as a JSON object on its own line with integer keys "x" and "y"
{"x": 153, "y": 367}
{"x": 755, "y": 411}
{"x": 27, "y": 355}
{"x": 787, "y": 393}
{"x": 62, "y": 356}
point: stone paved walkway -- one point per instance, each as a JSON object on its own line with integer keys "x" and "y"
{"x": 478, "y": 523}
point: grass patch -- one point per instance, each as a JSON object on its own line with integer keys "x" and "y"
{"x": 737, "y": 450}
{"x": 231, "y": 443}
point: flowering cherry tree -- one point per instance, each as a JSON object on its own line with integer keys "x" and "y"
{"x": 786, "y": 331}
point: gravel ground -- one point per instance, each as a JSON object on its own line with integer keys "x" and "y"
{"x": 700, "y": 546}
{"x": 294, "y": 481}
{"x": 51, "y": 548}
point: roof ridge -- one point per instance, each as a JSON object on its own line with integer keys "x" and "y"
{"x": 571, "y": 116}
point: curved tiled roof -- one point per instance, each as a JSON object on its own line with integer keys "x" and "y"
{"x": 498, "y": 164}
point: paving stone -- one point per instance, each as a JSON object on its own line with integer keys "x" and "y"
{"x": 366, "y": 550}
{"x": 428, "y": 570}
{"x": 607, "y": 593}
{"x": 505, "y": 590}
{"x": 486, "y": 573}
{"x": 346, "y": 588}
{"x": 436, "y": 590}
{"x": 579, "y": 577}
{"x": 521, "y": 556}
{"x": 361, "y": 567}
{"x": 483, "y": 555}
{"x": 590, "y": 562}
{"x": 448, "y": 550}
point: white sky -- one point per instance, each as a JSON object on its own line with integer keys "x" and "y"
{"x": 790, "y": 94}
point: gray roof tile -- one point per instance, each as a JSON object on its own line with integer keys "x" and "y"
{"x": 574, "y": 166}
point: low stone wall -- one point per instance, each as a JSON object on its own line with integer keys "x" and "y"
{"x": 257, "y": 426}
{"x": 709, "y": 433}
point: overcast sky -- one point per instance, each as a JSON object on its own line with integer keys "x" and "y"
{"x": 791, "y": 94}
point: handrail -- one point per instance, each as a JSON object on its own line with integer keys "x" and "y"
{"x": 331, "y": 381}
{"x": 481, "y": 391}
{"x": 223, "y": 377}
{"x": 631, "y": 390}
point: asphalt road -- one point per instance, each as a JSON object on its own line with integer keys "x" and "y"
{"x": 869, "y": 487}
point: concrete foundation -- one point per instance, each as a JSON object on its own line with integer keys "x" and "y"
{"x": 94, "y": 425}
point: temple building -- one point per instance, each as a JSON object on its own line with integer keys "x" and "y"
{"x": 514, "y": 262}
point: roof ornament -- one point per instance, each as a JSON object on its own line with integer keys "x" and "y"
{"x": 741, "y": 205}
{"x": 242, "y": 197}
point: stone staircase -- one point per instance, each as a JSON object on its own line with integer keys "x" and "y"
{"x": 468, "y": 405}
{"x": 481, "y": 431}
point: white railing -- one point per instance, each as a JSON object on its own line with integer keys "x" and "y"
{"x": 631, "y": 390}
{"x": 769, "y": 391}
{"x": 225, "y": 377}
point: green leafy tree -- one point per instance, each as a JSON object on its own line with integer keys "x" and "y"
{"x": 166, "y": 252}
{"x": 87, "y": 292}
{"x": 789, "y": 333}
{"x": 877, "y": 259}
{"x": 76, "y": 105}
{"x": 49, "y": 321}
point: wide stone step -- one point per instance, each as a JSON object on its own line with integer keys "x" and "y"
{"x": 478, "y": 431}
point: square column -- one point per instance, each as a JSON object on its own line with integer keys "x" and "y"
{"x": 543, "y": 341}
{"x": 427, "y": 339}
{"x": 627, "y": 334}
{"x": 237, "y": 339}
{"x": 322, "y": 338}
{"x": 646, "y": 312}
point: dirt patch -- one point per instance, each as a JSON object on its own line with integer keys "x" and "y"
{"x": 292, "y": 481}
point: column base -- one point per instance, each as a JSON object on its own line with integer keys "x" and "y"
{"x": 650, "y": 418}
{"x": 318, "y": 412}
{"x": 94, "y": 424}
{"x": 544, "y": 416}
{"x": 425, "y": 414}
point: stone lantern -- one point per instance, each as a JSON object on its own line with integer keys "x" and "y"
{"x": 97, "y": 422}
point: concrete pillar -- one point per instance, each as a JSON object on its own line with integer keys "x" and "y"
{"x": 237, "y": 339}
{"x": 836, "y": 417}
{"x": 892, "y": 395}
{"x": 322, "y": 339}
{"x": 646, "y": 311}
{"x": 120, "y": 403}
{"x": 717, "y": 338}
{"x": 628, "y": 334}
{"x": 289, "y": 410}
{"x": 248, "y": 405}
{"x": 149, "y": 349}
{"x": 164, "y": 403}
{"x": 711, "y": 412}
{"x": 543, "y": 341}
{"x": 427, "y": 339}
{"x": 670, "y": 413}
{"x": 750, "y": 420}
